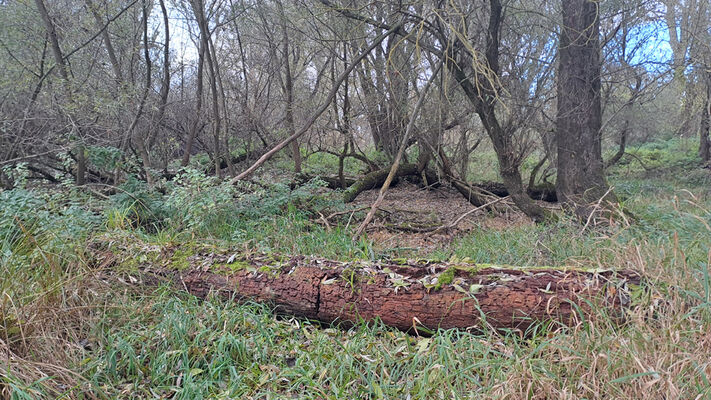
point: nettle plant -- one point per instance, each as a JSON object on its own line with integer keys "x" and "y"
{"x": 35, "y": 222}
{"x": 196, "y": 197}
{"x": 17, "y": 173}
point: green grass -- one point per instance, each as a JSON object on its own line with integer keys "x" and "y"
{"x": 72, "y": 326}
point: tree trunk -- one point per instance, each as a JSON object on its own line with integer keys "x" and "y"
{"x": 81, "y": 165}
{"x": 484, "y": 96}
{"x": 376, "y": 179}
{"x": 289, "y": 89}
{"x": 139, "y": 138}
{"x": 705, "y": 126}
{"x": 115, "y": 65}
{"x": 412, "y": 295}
{"x": 68, "y": 90}
{"x": 580, "y": 178}
{"x": 192, "y": 133}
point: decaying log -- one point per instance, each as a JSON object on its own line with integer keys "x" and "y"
{"x": 333, "y": 182}
{"x": 375, "y": 180}
{"x": 545, "y": 192}
{"x": 472, "y": 193}
{"x": 411, "y": 295}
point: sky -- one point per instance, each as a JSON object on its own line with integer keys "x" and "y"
{"x": 647, "y": 44}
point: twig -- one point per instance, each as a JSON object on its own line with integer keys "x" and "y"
{"x": 355, "y": 210}
{"x": 96, "y": 193}
{"x": 636, "y": 157}
{"x": 23, "y": 158}
{"x": 325, "y": 221}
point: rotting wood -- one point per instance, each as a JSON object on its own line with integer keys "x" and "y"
{"x": 333, "y": 182}
{"x": 545, "y": 192}
{"x": 402, "y": 293}
{"x": 376, "y": 179}
{"x": 403, "y": 296}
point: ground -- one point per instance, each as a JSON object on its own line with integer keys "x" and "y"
{"x": 408, "y": 215}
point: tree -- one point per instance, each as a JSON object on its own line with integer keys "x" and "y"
{"x": 481, "y": 84}
{"x": 68, "y": 90}
{"x": 581, "y": 177}
{"x": 701, "y": 62}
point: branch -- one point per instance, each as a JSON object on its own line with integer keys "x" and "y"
{"x": 466, "y": 214}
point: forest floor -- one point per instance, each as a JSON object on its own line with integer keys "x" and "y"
{"x": 410, "y": 215}
{"x": 72, "y": 326}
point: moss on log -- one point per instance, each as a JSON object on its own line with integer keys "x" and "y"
{"x": 332, "y": 182}
{"x": 430, "y": 296}
{"x": 375, "y": 180}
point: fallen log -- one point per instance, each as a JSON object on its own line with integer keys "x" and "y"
{"x": 376, "y": 179}
{"x": 404, "y": 294}
{"x": 249, "y": 155}
{"x": 332, "y": 182}
{"x": 545, "y": 192}
{"x": 416, "y": 295}
{"x": 473, "y": 194}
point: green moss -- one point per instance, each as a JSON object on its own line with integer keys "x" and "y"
{"x": 271, "y": 270}
{"x": 237, "y": 265}
{"x": 350, "y": 276}
{"x": 131, "y": 261}
{"x": 445, "y": 277}
{"x": 179, "y": 259}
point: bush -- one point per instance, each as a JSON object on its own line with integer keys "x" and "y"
{"x": 672, "y": 153}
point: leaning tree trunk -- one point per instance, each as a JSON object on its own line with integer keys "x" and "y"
{"x": 483, "y": 92}
{"x": 579, "y": 119}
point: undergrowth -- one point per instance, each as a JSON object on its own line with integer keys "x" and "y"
{"x": 74, "y": 327}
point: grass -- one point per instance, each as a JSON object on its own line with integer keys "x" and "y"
{"x": 71, "y": 327}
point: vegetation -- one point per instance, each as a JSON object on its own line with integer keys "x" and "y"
{"x": 72, "y": 327}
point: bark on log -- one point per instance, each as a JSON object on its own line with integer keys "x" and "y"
{"x": 376, "y": 179}
{"x": 406, "y": 295}
{"x": 471, "y": 193}
{"x": 250, "y": 155}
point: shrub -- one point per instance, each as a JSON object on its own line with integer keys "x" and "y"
{"x": 196, "y": 198}
{"x": 137, "y": 203}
